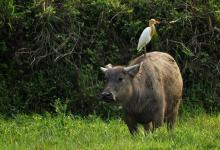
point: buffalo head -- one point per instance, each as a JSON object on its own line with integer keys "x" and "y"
{"x": 118, "y": 82}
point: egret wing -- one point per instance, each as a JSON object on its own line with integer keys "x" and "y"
{"x": 144, "y": 38}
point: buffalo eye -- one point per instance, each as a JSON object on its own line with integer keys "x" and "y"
{"x": 120, "y": 79}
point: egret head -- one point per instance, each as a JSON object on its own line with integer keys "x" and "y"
{"x": 153, "y": 21}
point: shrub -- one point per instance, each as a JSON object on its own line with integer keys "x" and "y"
{"x": 53, "y": 49}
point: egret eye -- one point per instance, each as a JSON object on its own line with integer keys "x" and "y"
{"x": 120, "y": 79}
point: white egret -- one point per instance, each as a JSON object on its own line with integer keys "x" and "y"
{"x": 147, "y": 34}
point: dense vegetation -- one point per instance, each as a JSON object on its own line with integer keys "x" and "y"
{"x": 51, "y": 50}
{"x": 68, "y": 132}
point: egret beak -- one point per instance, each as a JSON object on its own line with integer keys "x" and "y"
{"x": 157, "y": 22}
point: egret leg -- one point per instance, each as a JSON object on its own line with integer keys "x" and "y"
{"x": 145, "y": 50}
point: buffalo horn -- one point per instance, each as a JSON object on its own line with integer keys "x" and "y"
{"x": 103, "y": 69}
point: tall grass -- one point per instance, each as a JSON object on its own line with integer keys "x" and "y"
{"x": 53, "y": 50}
{"x": 68, "y": 132}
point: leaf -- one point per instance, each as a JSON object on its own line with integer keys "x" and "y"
{"x": 187, "y": 52}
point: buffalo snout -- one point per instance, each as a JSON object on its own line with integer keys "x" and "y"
{"x": 108, "y": 96}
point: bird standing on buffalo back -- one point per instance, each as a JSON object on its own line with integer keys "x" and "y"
{"x": 147, "y": 34}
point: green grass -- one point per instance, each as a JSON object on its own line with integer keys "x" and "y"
{"x": 68, "y": 132}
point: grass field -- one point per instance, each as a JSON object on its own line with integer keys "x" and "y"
{"x": 68, "y": 132}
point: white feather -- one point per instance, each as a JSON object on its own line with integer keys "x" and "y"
{"x": 144, "y": 38}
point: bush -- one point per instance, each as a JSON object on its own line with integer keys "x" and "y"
{"x": 52, "y": 50}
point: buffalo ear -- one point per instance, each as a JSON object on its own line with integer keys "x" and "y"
{"x": 132, "y": 70}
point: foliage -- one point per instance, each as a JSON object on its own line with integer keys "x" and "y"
{"x": 51, "y": 50}
{"x": 67, "y": 132}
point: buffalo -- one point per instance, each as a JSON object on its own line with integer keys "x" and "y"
{"x": 149, "y": 90}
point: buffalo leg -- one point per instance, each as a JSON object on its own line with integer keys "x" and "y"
{"x": 158, "y": 119}
{"x": 171, "y": 119}
{"x": 132, "y": 124}
{"x": 157, "y": 123}
{"x": 148, "y": 127}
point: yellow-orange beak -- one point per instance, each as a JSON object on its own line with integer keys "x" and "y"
{"x": 157, "y": 22}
